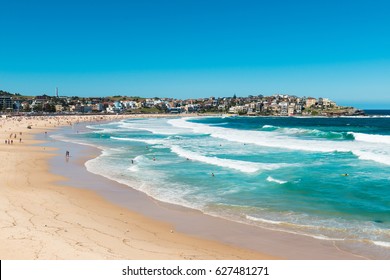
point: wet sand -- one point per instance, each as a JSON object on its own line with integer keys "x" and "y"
{"x": 48, "y": 216}
{"x": 188, "y": 221}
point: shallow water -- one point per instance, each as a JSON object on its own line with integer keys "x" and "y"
{"x": 281, "y": 173}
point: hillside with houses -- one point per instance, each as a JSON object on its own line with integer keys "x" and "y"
{"x": 259, "y": 105}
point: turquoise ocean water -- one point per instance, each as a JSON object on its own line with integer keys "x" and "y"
{"x": 287, "y": 174}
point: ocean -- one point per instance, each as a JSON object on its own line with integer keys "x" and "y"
{"x": 328, "y": 178}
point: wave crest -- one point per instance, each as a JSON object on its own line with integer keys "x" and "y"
{"x": 275, "y": 139}
{"x": 270, "y": 179}
{"x": 243, "y": 166}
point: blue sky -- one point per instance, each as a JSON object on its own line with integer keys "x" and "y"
{"x": 335, "y": 49}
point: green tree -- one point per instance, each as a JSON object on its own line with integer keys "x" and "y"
{"x": 38, "y": 107}
{"x": 49, "y": 107}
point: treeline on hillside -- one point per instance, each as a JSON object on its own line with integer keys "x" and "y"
{"x": 3, "y": 92}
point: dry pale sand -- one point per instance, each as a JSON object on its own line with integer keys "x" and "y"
{"x": 41, "y": 219}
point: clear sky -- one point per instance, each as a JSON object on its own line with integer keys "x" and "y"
{"x": 335, "y": 49}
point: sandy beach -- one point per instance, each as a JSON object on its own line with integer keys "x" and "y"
{"x": 53, "y": 208}
{"x": 41, "y": 219}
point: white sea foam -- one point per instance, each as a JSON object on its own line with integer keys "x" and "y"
{"x": 109, "y": 130}
{"x": 251, "y": 218}
{"x": 261, "y": 138}
{"x": 293, "y": 130}
{"x": 270, "y": 179}
{"x": 382, "y": 243}
{"x": 231, "y": 190}
{"x": 174, "y": 193}
{"x": 155, "y": 126}
{"x": 243, "y": 166}
{"x": 371, "y": 138}
{"x": 148, "y": 141}
{"x": 139, "y": 158}
{"x": 274, "y": 139}
{"x": 378, "y": 156}
{"x": 134, "y": 168}
{"x": 218, "y": 124}
{"x": 303, "y": 131}
{"x": 363, "y": 149}
{"x": 268, "y": 126}
{"x": 101, "y": 126}
{"x": 283, "y": 226}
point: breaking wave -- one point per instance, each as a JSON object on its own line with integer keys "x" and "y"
{"x": 243, "y": 166}
{"x": 275, "y": 139}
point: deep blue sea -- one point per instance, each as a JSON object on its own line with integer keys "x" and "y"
{"x": 328, "y": 178}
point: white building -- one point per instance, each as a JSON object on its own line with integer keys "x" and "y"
{"x": 283, "y": 108}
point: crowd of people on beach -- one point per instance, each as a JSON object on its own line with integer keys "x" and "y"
{"x": 11, "y": 138}
{"x": 8, "y": 124}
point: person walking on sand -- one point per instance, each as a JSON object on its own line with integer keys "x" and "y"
{"x": 67, "y": 154}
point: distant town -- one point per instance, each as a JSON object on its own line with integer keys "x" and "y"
{"x": 256, "y": 105}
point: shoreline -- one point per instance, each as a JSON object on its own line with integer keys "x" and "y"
{"x": 42, "y": 219}
{"x": 272, "y": 242}
{"x": 52, "y": 216}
